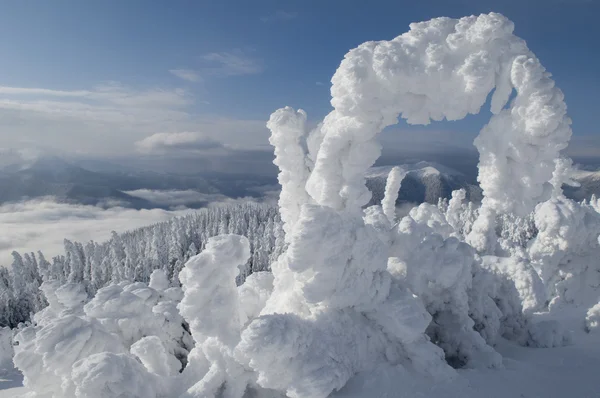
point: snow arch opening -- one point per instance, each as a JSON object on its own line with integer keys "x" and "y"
{"x": 445, "y": 69}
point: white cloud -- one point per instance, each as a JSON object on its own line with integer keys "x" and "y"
{"x": 109, "y": 119}
{"x": 221, "y": 64}
{"x": 234, "y": 63}
{"x": 320, "y": 84}
{"x": 100, "y": 118}
{"x": 111, "y": 93}
{"x": 186, "y": 141}
{"x": 186, "y": 74}
{"x": 43, "y": 224}
{"x": 279, "y": 16}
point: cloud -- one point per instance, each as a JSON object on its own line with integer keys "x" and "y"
{"x": 233, "y": 63}
{"x": 21, "y": 158}
{"x": 186, "y": 74}
{"x": 108, "y": 119}
{"x": 221, "y": 64}
{"x": 87, "y": 119}
{"x": 320, "y": 84}
{"x": 279, "y": 16}
{"x": 43, "y": 224}
{"x": 185, "y": 142}
{"x": 103, "y": 95}
{"x": 177, "y": 198}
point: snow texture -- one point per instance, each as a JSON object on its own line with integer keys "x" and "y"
{"x": 445, "y": 68}
{"x": 592, "y": 319}
{"x": 212, "y": 307}
{"x": 288, "y": 137}
{"x": 6, "y": 349}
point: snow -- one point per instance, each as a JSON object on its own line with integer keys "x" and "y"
{"x": 6, "y": 349}
{"x": 527, "y": 372}
{"x": 288, "y": 130}
{"x": 452, "y": 300}
{"x": 392, "y": 187}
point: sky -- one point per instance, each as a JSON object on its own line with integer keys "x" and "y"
{"x": 113, "y": 78}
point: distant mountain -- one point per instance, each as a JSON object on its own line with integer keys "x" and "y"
{"x": 68, "y": 182}
{"x": 424, "y": 182}
{"x": 52, "y": 176}
{"x": 428, "y": 181}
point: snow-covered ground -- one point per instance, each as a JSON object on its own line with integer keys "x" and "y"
{"x": 559, "y": 372}
{"x": 528, "y": 373}
{"x": 11, "y": 383}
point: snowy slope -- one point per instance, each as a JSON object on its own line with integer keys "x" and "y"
{"x": 528, "y": 373}
{"x": 424, "y": 182}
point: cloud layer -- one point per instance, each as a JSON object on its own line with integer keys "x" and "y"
{"x": 108, "y": 119}
{"x": 43, "y": 224}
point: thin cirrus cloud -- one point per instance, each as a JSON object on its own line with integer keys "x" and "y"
{"x": 186, "y": 74}
{"x": 232, "y": 63}
{"x": 106, "y": 104}
{"x": 107, "y": 94}
{"x": 221, "y": 64}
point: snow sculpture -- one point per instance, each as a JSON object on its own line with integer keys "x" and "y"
{"x": 445, "y": 68}
{"x": 592, "y": 319}
{"x": 392, "y": 188}
{"x": 110, "y": 375}
{"x": 211, "y": 306}
{"x": 288, "y": 131}
{"x": 565, "y": 251}
{"x": 335, "y": 267}
{"x": 72, "y": 343}
{"x": 46, "y": 352}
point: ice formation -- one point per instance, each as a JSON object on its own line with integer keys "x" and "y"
{"x": 592, "y": 319}
{"x": 445, "y": 68}
{"x": 356, "y": 287}
{"x": 288, "y": 137}
{"x": 212, "y": 307}
{"x": 392, "y": 187}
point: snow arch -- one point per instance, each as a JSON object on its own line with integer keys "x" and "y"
{"x": 445, "y": 68}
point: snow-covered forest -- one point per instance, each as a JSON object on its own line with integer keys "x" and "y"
{"x": 346, "y": 290}
{"x": 132, "y": 256}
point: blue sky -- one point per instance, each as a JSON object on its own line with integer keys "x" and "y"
{"x": 97, "y": 76}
